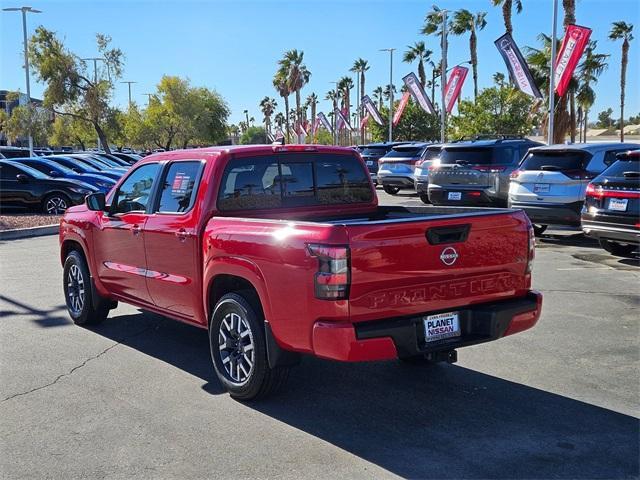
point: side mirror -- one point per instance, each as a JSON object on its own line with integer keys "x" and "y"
{"x": 95, "y": 202}
{"x": 22, "y": 178}
{"x": 54, "y": 174}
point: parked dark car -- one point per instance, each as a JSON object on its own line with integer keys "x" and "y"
{"x": 371, "y": 154}
{"x": 96, "y": 163}
{"x": 611, "y": 210}
{"x": 56, "y": 170}
{"x": 130, "y": 158}
{"x": 102, "y": 159}
{"x": 476, "y": 172}
{"x": 113, "y": 159}
{"x": 23, "y": 188}
{"x": 396, "y": 168}
{"x": 14, "y": 152}
{"x": 79, "y": 166}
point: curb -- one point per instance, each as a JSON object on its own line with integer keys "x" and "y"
{"x": 18, "y": 233}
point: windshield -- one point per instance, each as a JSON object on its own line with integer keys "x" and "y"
{"x": 560, "y": 160}
{"x": 404, "y": 152}
{"x": 58, "y": 167}
{"x": 374, "y": 151}
{"x": 618, "y": 169}
{"x": 30, "y": 171}
{"x": 432, "y": 153}
{"x": 476, "y": 156}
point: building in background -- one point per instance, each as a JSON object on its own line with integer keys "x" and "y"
{"x": 10, "y": 100}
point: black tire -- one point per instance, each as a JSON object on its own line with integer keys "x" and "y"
{"x": 390, "y": 190}
{"x": 538, "y": 230}
{"x": 618, "y": 249}
{"x": 78, "y": 294}
{"x": 236, "y": 310}
{"x": 425, "y": 198}
{"x": 55, "y": 204}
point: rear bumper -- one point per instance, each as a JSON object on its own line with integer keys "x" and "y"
{"x": 405, "y": 337}
{"x": 611, "y": 231}
{"x": 401, "y": 181}
{"x": 559, "y": 214}
{"x": 480, "y": 196}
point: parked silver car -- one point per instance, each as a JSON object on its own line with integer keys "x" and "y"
{"x": 476, "y": 172}
{"x": 431, "y": 158}
{"x": 551, "y": 181}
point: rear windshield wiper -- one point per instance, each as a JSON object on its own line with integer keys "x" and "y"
{"x": 631, "y": 174}
{"x": 550, "y": 168}
{"x": 462, "y": 162}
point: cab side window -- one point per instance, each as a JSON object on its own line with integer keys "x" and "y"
{"x": 179, "y": 187}
{"x": 134, "y": 193}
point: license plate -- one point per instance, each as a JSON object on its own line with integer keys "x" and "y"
{"x": 441, "y": 326}
{"x": 540, "y": 188}
{"x": 454, "y": 196}
{"x": 618, "y": 204}
{"x": 370, "y": 163}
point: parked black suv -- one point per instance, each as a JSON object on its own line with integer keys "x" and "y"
{"x": 24, "y": 188}
{"x": 611, "y": 210}
{"x": 476, "y": 171}
{"x": 372, "y": 152}
{"x": 14, "y": 152}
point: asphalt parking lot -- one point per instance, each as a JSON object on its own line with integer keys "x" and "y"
{"x": 137, "y": 396}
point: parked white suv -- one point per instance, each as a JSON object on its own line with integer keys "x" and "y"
{"x": 550, "y": 183}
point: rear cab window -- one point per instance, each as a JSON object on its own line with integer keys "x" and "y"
{"x": 290, "y": 180}
{"x": 404, "y": 152}
{"x": 477, "y": 156}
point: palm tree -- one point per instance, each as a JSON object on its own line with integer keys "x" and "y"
{"x": 333, "y": 97}
{"x": 433, "y": 83}
{"x": 387, "y": 94}
{"x": 378, "y": 93}
{"x": 507, "y": 6}
{"x": 282, "y": 87}
{"x": 297, "y": 74}
{"x": 360, "y": 66}
{"x": 464, "y": 21}
{"x": 569, "y": 7}
{"x": 622, "y": 30}
{"x": 344, "y": 87}
{"x": 588, "y": 72}
{"x": 312, "y": 102}
{"x": 433, "y": 22}
{"x": 420, "y": 53}
{"x": 268, "y": 106}
{"x": 279, "y": 119}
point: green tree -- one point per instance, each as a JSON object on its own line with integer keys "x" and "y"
{"x": 254, "y": 135}
{"x": 420, "y": 53}
{"x": 604, "y": 118}
{"x": 268, "y": 106}
{"x": 592, "y": 66}
{"x": 507, "y": 7}
{"x": 360, "y": 66}
{"x": 312, "y": 102}
{"x": 71, "y": 88}
{"x": 24, "y": 116}
{"x": 280, "y": 83}
{"x": 622, "y": 31}
{"x": 466, "y": 22}
{"x": 323, "y": 137}
{"x": 415, "y": 124}
{"x": 497, "y": 110}
{"x": 292, "y": 68}
{"x": 70, "y": 131}
{"x": 378, "y": 93}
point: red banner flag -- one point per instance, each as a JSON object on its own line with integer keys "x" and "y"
{"x": 454, "y": 86}
{"x": 365, "y": 120}
{"x": 401, "y": 107}
{"x": 573, "y": 44}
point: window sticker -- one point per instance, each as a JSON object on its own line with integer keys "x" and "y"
{"x": 180, "y": 184}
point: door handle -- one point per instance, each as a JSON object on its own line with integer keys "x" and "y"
{"x": 135, "y": 229}
{"x": 182, "y": 234}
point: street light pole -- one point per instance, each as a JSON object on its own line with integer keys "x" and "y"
{"x": 24, "y": 11}
{"x": 129, "y": 83}
{"x": 149, "y": 95}
{"x": 390, "y": 50}
{"x": 335, "y": 118}
{"x": 443, "y": 80}
{"x": 552, "y": 73}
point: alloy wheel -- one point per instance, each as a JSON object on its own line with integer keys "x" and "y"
{"x": 56, "y": 205}
{"x": 235, "y": 341}
{"x": 75, "y": 289}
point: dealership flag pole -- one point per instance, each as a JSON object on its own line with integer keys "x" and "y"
{"x": 443, "y": 78}
{"x": 552, "y": 72}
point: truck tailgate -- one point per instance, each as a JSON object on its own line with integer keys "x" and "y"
{"x": 404, "y": 268}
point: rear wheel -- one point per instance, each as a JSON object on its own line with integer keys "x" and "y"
{"x": 538, "y": 230}
{"x": 55, "y": 204}
{"x": 424, "y": 198}
{"x": 391, "y": 190}
{"x": 78, "y": 295}
{"x": 239, "y": 351}
{"x": 618, "y": 249}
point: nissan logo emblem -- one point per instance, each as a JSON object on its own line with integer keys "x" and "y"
{"x": 449, "y": 256}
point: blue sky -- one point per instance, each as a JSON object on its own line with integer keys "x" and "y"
{"x": 233, "y": 46}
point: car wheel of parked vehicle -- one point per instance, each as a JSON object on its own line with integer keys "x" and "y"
{"x": 55, "y": 204}
{"x": 78, "y": 294}
{"x": 617, "y": 249}
{"x": 239, "y": 351}
{"x": 391, "y": 190}
{"x": 538, "y": 230}
{"x": 425, "y": 198}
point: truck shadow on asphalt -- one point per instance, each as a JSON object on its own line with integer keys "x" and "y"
{"x": 418, "y": 422}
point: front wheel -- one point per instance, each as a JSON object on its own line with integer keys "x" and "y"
{"x": 538, "y": 230}
{"x": 82, "y": 307}
{"x": 617, "y": 249}
{"x": 391, "y": 190}
{"x": 55, "y": 204}
{"x": 239, "y": 351}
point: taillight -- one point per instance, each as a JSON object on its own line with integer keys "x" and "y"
{"x": 333, "y": 276}
{"x": 531, "y": 249}
{"x": 597, "y": 191}
{"x": 514, "y": 174}
{"x": 592, "y": 191}
{"x": 489, "y": 169}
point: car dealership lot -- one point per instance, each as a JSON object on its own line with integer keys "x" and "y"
{"x": 137, "y": 396}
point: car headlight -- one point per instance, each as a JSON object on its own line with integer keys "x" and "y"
{"x": 80, "y": 190}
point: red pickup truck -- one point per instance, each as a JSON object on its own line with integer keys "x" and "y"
{"x": 283, "y": 250}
